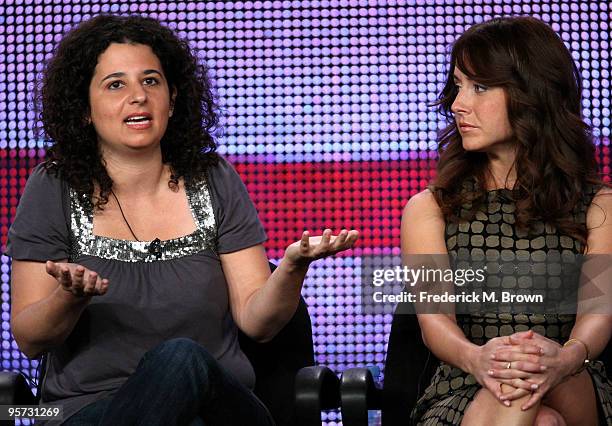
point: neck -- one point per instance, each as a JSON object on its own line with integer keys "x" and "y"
{"x": 137, "y": 175}
{"x": 501, "y": 168}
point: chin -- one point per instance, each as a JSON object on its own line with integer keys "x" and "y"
{"x": 141, "y": 142}
{"x": 140, "y": 146}
{"x": 502, "y": 146}
{"x": 474, "y": 146}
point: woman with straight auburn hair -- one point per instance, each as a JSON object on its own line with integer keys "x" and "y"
{"x": 517, "y": 177}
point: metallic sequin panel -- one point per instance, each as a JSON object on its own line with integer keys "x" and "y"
{"x": 86, "y": 243}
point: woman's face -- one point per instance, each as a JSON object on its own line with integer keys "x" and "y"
{"x": 481, "y": 115}
{"x": 129, "y": 98}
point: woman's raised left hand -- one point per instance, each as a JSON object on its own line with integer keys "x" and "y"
{"x": 308, "y": 248}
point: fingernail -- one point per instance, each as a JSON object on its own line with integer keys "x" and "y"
{"x": 490, "y": 372}
{"x": 492, "y": 356}
{"x": 534, "y": 387}
{"x": 542, "y": 367}
{"x": 507, "y": 403}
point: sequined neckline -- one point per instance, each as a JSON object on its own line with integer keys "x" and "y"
{"x": 119, "y": 240}
{"x": 188, "y": 192}
{"x": 86, "y": 243}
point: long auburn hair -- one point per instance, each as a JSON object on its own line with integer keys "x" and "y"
{"x": 555, "y": 155}
{"x": 62, "y": 103}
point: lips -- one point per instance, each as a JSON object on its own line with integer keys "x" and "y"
{"x": 138, "y": 121}
{"x": 466, "y": 126}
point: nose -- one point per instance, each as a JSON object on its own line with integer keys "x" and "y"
{"x": 461, "y": 104}
{"x": 138, "y": 94}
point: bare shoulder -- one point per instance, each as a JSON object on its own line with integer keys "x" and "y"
{"x": 421, "y": 206}
{"x": 599, "y": 222}
{"x": 600, "y": 210}
{"x": 604, "y": 194}
{"x": 423, "y": 225}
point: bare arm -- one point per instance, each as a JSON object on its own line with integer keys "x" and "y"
{"x": 423, "y": 233}
{"x": 591, "y": 328}
{"x": 47, "y": 301}
{"x": 595, "y": 329}
{"x": 262, "y": 303}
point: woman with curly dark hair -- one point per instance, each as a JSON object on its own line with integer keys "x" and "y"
{"x": 137, "y": 252}
{"x": 517, "y": 181}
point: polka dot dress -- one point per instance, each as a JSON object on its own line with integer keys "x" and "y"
{"x": 491, "y": 234}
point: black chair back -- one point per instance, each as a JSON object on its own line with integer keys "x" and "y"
{"x": 277, "y": 362}
{"x": 409, "y": 367}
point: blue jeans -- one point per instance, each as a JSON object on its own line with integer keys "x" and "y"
{"x": 177, "y": 383}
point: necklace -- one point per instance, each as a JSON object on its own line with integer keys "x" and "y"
{"x": 155, "y": 248}
{"x": 507, "y": 184}
{"x": 123, "y": 216}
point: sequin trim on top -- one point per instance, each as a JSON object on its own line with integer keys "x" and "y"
{"x": 86, "y": 243}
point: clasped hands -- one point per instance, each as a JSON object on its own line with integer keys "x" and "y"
{"x": 527, "y": 361}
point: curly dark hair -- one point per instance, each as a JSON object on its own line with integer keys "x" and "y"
{"x": 62, "y": 102}
{"x": 556, "y": 158}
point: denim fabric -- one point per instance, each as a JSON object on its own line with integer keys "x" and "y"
{"x": 177, "y": 383}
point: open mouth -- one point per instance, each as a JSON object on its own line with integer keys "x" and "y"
{"x": 138, "y": 121}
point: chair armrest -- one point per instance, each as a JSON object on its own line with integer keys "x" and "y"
{"x": 316, "y": 388}
{"x": 358, "y": 394}
{"x": 14, "y": 389}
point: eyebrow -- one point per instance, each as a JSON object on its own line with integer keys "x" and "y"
{"x": 122, "y": 74}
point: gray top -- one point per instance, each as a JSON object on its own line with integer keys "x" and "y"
{"x": 178, "y": 291}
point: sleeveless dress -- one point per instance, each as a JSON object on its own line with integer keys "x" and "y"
{"x": 492, "y": 233}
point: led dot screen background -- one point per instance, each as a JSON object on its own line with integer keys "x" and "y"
{"x": 325, "y": 113}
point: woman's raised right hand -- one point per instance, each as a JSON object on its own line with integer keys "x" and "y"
{"x": 77, "y": 279}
